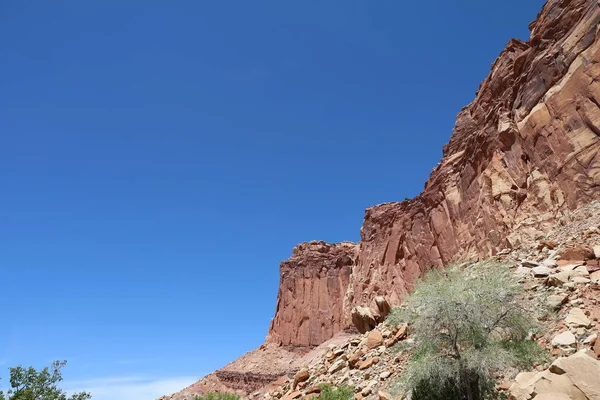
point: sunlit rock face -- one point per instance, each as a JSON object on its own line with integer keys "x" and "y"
{"x": 525, "y": 150}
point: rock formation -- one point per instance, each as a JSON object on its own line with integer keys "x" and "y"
{"x": 310, "y": 303}
{"x": 522, "y": 154}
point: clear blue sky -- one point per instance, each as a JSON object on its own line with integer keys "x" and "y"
{"x": 159, "y": 159}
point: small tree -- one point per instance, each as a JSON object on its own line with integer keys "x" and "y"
{"x": 29, "y": 384}
{"x": 468, "y": 324}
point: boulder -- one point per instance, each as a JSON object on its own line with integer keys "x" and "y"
{"x": 399, "y": 335}
{"x": 363, "y": 319}
{"x": 375, "y": 339}
{"x": 559, "y": 279}
{"x": 541, "y": 271}
{"x": 581, "y": 280}
{"x": 579, "y": 253}
{"x": 383, "y": 307}
{"x": 337, "y": 366}
{"x": 597, "y": 251}
{"x": 301, "y": 376}
{"x": 577, "y": 318}
{"x": 581, "y": 271}
{"x": 558, "y": 385}
{"x": 565, "y": 339}
{"x": 583, "y": 371}
{"x": 555, "y": 301}
{"x": 524, "y": 385}
{"x": 293, "y": 395}
{"x": 368, "y": 363}
{"x": 592, "y": 265}
{"x": 355, "y": 358}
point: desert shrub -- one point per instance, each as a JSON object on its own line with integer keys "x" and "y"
{"x": 468, "y": 324}
{"x": 329, "y": 392}
{"x": 218, "y": 396}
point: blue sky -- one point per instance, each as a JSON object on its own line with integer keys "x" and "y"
{"x": 158, "y": 160}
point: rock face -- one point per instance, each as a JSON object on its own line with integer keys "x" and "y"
{"x": 522, "y": 154}
{"x": 525, "y": 150}
{"x": 310, "y": 303}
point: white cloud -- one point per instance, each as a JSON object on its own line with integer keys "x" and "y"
{"x": 129, "y": 388}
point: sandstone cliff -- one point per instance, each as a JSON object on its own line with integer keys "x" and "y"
{"x": 310, "y": 302}
{"x": 524, "y": 152}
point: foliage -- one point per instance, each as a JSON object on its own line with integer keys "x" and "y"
{"x": 468, "y": 323}
{"x": 526, "y": 353}
{"x": 29, "y": 384}
{"x": 397, "y": 316}
{"x": 329, "y": 392}
{"x": 218, "y": 396}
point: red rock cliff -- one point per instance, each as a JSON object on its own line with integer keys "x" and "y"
{"x": 525, "y": 150}
{"x": 310, "y": 303}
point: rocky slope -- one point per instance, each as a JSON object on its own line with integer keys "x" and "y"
{"x": 561, "y": 278}
{"x": 522, "y": 154}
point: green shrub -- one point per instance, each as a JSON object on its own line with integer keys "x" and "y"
{"x": 468, "y": 324}
{"x": 329, "y": 392}
{"x": 218, "y": 396}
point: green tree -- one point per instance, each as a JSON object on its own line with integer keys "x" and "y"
{"x": 29, "y": 384}
{"x": 468, "y": 324}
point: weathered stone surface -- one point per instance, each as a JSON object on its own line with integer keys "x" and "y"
{"x": 366, "y": 363}
{"x": 310, "y": 303}
{"x": 553, "y": 396}
{"x": 558, "y": 385}
{"x": 301, "y": 376}
{"x": 580, "y": 253}
{"x": 597, "y": 251}
{"x": 583, "y": 371}
{"x": 564, "y": 339}
{"x": 556, "y": 300}
{"x": 383, "y": 307}
{"x": 541, "y": 271}
{"x": 375, "y": 339}
{"x": 363, "y": 319}
{"x": 577, "y": 318}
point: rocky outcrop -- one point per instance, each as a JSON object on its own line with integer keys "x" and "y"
{"x": 310, "y": 302}
{"x": 247, "y": 381}
{"x": 574, "y": 377}
{"x": 523, "y": 152}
